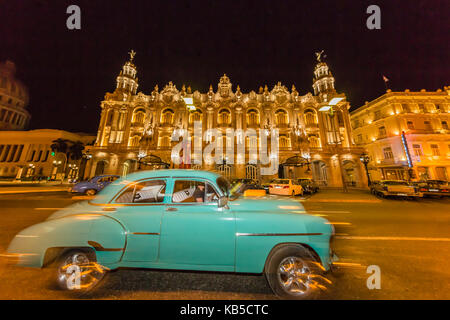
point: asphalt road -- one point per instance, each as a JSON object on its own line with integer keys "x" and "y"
{"x": 408, "y": 239}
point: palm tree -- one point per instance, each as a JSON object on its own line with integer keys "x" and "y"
{"x": 76, "y": 150}
{"x": 59, "y": 145}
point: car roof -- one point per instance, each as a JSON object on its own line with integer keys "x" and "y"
{"x": 107, "y": 193}
{"x": 172, "y": 173}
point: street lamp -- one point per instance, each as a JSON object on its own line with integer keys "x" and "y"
{"x": 141, "y": 155}
{"x": 365, "y": 159}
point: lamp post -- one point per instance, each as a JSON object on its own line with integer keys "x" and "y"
{"x": 364, "y": 157}
{"x": 141, "y": 155}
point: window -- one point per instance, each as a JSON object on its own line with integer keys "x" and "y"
{"x": 410, "y": 125}
{"x": 377, "y": 114}
{"x": 435, "y": 150}
{"x": 381, "y": 131}
{"x": 252, "y": 117}
{"x": 281, "y": 117}
{"x": 187, "y": 191}
{"x": 195, "y": 116}
{"x": 151, "y": 191}
{"x": 388, "y": 153}
{"x": 224, "y": 117}
{"x": 310, "y": 117}
{"x": 139, "y": 116}
{"x": 167, "y": 116}
{"x": 444, "y": 125}
{"x": 417, "y": 150}
{"x": 427, "y": 125}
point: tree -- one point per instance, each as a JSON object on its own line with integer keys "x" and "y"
{"x": 60, "y": 145}
{"x": 76, "y": 150}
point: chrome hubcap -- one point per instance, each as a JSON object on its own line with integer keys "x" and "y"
{"x": 295, "y": 276}
{"x": 78, "y": 273}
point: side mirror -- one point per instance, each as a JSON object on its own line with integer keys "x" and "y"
{"x": 222, "y": 202}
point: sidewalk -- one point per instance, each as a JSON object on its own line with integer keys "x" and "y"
{"x": 338, "y": 195}
{"x": 12, "y": 188}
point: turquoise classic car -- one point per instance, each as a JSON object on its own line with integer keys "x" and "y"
{"x": 181, "y": 220}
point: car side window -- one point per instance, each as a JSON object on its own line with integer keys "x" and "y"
{"x": 151, "y": 191}
{"x": 185, "y": 191}
{"x": 192, "y": 191}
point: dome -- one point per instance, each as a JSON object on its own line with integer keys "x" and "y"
{"x": 13, "y": 99}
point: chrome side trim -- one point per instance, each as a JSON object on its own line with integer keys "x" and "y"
{"x": 145, "y": 233}
{"x": 277, "y": 234}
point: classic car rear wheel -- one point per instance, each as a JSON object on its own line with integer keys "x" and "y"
{"x": 91, "y": 192}
{"x": 78, "y": 272}
{"x": 292, "y": 273}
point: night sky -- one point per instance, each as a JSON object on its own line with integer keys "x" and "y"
{"x": 196, "y": 42}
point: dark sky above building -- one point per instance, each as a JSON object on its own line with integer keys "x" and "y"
{"x": 196, "y": 42}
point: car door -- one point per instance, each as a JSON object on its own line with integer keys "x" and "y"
{"x": 139, "y": 207}
{"x": 197, "y": 235}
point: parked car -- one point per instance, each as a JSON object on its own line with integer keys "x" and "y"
{"x": 94, "y": 185}
{"x": 154, "y": 219}
{"x": 308, "y": 185}
{"x": 287, "y": 187}
{"x": 385, "y": 188}
{"x": 439, "y": 188}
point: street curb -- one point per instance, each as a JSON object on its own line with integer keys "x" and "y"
{"x": 32, "y": 191}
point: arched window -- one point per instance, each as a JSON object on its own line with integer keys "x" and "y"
{"x": 252, "y": 117}
{"x": 195, "y": 116}
{"x": 224, "y": 117}
{"x": 139, "y": 115}
{"x": 167, "y": 116}
{"x": 310, "y": 117}
{"x": 281, "y": 117}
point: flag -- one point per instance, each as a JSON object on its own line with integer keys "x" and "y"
{"x": 385, "y": 79}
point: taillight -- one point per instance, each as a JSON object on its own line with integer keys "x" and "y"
{"x": 270, "y": 186}
{"x": 423, "y": 189}
{"x": 286, "y": 187}
{"x": 444, "y": 190}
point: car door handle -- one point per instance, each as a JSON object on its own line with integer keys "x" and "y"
{"x": 109, "y": 209}
{"x": 171, "y": 209}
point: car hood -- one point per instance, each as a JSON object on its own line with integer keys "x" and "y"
{"x": 276, "y": 214}
{"x": 266, "y": 203}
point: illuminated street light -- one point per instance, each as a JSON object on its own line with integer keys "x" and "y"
{"x": 364, "y": 157}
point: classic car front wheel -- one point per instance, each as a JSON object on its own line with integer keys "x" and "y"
{"x": 292, "y": 273}
{"x": 78, "y": 272}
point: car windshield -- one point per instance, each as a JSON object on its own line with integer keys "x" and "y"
{"x": 281, "y": 181}
{"x": 392, "y": 183}
{"x": 224, "y": 186}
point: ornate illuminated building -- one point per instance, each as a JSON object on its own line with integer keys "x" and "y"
{"x": 406, "y": 134}
{"x": 315, "y": 139}
{"x": 13, "y": 99}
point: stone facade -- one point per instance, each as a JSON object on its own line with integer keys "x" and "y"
{"x": 406, "y": 134}
{"x": 24, "y": 154}
{"x": 135, "y": 130}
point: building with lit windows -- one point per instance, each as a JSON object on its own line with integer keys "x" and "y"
{"x": 26, "y": 154}
{"x": 13, "y": 99}
{"x": 406, "y": 134}
{"x": 315, "y": 139}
